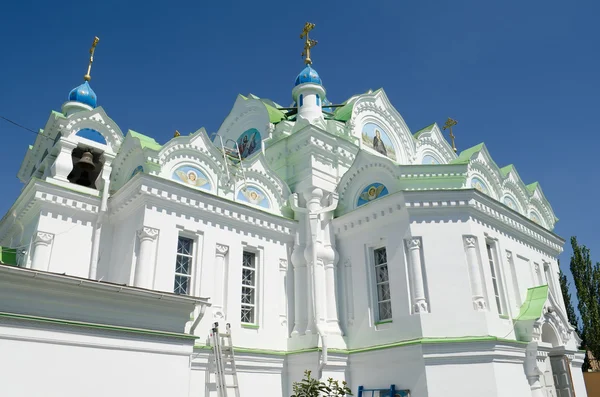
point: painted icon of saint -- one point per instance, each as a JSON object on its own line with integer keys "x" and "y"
{"x": 191, "y": 178}
{"x": 253, "y": 196}
{"x": 372, "y": 193}
{"x": 378, "y": 143}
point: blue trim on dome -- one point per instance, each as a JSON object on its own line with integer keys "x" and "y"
{"x": 84, "y": 94}
{"x": 308, "y": 75}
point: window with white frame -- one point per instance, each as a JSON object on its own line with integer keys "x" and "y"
{"x": 382, "y": 285}
{"x": 549, "y": 278}
{"x": 183, "y": 265}
{"x": 248, "y": 309}
{"x": 495, "y": 277}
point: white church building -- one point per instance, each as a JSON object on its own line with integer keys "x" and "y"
{"x": 331, "y": 237}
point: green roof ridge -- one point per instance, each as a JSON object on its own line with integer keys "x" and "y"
{"x": 145, "y": 141}
{"x": 533, "y": 306}
{"x": 275, "y": 115}
{"x": 532, "y": 186}
{"x": 466, "y": 154}
{"x": 344, "y": 113}
{"x": 506, "y": 169}
{"x": 427, "y": 128}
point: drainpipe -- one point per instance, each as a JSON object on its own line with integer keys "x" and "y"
{"x": 98, "y": 226}
{"x": 312, "y": 218}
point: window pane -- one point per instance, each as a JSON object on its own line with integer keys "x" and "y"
{"x": 380, "y": 256}
{"x": 184, "y": 246}
{"x": 247, "y": 295}
{"x": 182, "y": 264}
{"x": 383, "y": 292}
{"x": 181, "y": 285}
{"x": 382, "y": 273}
{"x": 248, "y": 259}
{"x": 385, "y": 310}
{"x": 248, "y": 277}
{"x": 247, "y": 314}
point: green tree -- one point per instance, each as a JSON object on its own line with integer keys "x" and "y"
{"x": 311, "y": 387}
{"x": 564, "y": 287}
{"x": 587, "y": 282}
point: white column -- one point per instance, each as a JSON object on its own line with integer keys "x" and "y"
{"x": 475, "y": 273}
{"x": 416, "y": 276}
{"x": 63, "y": 164}
{"x": 283, "y": 267}
{"x": 42, "y": 246}
{"x": 218, "y": 306}
{"x": 144, "y": 268}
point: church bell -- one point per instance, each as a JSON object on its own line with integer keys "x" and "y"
{"x": 86, "y": 162}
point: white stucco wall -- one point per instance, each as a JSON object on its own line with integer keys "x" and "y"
{"x": 67, "y": 363}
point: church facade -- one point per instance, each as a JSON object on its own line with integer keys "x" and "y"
{"x": 330, "y": 237}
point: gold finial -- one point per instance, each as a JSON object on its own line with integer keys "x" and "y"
{"x": 176, "y": 134}
{"x": 449, "y": 124}
{"x": 87, "y": 77}
{"x": 308, "y": 43}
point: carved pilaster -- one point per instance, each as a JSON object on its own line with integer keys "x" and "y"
{"x": 349, "y": 290}
{"x": 283, "y": 268}
{"x": 479, "y": 303}
{"x": 144, "y": 268}
{"x": 416, "y": 275}
{"x": 42, "y": 247}
{"x": 218, "y": 307}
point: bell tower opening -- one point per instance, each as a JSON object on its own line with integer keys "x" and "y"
{"x": 87, "y": 165}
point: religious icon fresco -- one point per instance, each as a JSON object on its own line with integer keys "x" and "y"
{"x": 371, "y": 192}
{"x": 253, "y": 195}
{"x": 510, "y": 203}
{"x": 427, "y": 159}
{"x": 249, "y": 142}
{"x": 479, "y": 185}
{"x": 191, "y": 176}
{"x": 535, "y": 217}
{"x": 375, "y": 137}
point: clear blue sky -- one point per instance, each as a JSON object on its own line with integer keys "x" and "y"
{"x": 521, "y": 76}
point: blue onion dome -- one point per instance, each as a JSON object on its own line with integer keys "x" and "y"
{"x": 308, "y": 75}
{"x": 84, "y": 94}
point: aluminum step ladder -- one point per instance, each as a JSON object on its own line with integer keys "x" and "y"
{"x": 221, "y": 362}
{"x": 233, "y": 158}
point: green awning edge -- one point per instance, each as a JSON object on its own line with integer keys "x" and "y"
{"x": 8, "y": 256}
{"x": 533, "y": 306}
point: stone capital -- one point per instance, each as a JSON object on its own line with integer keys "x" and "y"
{"x": 471, "y": 241}
{"x": 283, "y": 264}
{"x": 147, "y": 233}
{"x": 509, "y": 255}
{"x": 221, "y": 250}
{"x": 414, "y": 243}
{"x": 43, "y": 238}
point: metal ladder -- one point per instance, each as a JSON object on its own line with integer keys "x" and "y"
{"x": 228, "y": 154}
{"x": 221, "y": 361}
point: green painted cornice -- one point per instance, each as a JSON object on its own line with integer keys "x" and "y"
{"x": 410, "y": 342}
{"x": 145, "y": 141}
{"x": 422, "y": 130}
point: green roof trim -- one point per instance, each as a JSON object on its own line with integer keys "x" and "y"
{"x": 425, "y": 129}
{"x": 96, "y": 325}
{"x": 275, "y": 115}
{"x": 505, "y": 170}
{"x": 533, "y": 306}
{"x": 344, "y": 113}
{"x": 465, "y": 155}
{"x": 410, "y": 342}
{"x": 532, "y": 186}
{"x": 8, "y": 256}
{"x": 145, "y": 140}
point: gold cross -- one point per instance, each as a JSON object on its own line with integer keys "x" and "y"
{"x": 308, "y": 43}
{"x": 87, "y": 76}
{"x": 449, "y": 124}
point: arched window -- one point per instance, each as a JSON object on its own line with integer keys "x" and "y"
{"x": 92, "y": 135}
{"x": 318, "y": 101}
{"x": 301, "y": 100}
